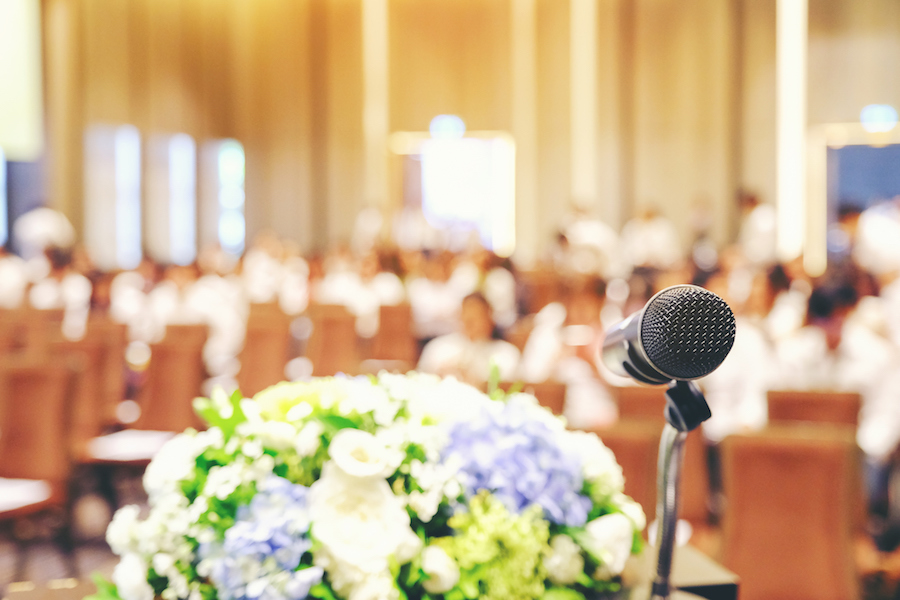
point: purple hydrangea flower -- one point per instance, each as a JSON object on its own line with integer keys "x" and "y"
{"x": 268, "y": 540}
{"x": 519, "y": 460}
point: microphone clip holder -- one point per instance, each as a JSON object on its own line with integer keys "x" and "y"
{"x": 686, "y": 409}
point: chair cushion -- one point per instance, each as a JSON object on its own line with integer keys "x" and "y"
{"x": 128, "y": 444}
{"x": 18, "y": 493}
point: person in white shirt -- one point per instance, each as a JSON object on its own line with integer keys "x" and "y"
{"x": 836, "y": 352}
{"x": 64, "y": 288}
{"x": 564, "y": 346}
{"x": 650, "y": 241}
{"x": 472, "y": 353}
{"x": 877, "y": 246}
{"x": 757, "y": 234}
{"x": 363, "y": 291}
{"x": 736, "y": 391}
{"x": 436, "y": 298}
{"x": 592, "y": 247}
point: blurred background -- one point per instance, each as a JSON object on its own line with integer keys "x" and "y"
{"x": 228, "y": 193}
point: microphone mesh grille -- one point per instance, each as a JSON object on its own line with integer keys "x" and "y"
{"x": 687, "y": 331}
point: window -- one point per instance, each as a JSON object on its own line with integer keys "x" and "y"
{"x": 171, "y": 207}
{"x": 4, "y": 205}
{"x": 112, "y": 188}
{"x": 223, "y": 195}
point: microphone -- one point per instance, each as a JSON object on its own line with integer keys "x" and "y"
{"x": 684, "y": 332}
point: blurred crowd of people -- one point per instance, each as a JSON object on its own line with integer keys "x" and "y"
{"x": 475, "y": 312}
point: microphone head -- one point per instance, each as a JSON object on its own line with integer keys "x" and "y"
{"x": 687, "y": 331}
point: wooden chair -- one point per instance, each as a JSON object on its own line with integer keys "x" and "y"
{"x": 395, "y": 339}
{"x": 635, "y": 444}
{"x": 174, "y": 378}
{"x": 101, "y": 385}
{"x": 266, "y": 347}
{"x": 541, "y": 288}
{"x": 40, "y": 327}
{"x": 114, "y": 338}
{"x": 840, "y": 408}
{"x": 648, "y": 404}
{"x": 333, "y": 345}
{"x": 12, "y": 335}
{"x": 793, "y": 503}
{"x": 35, "y": 395}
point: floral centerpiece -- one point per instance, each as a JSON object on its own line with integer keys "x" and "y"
{"x": 377, "y": 488}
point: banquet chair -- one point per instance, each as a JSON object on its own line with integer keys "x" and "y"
{"x": 266, "y": 346}
{"x": 35, "y": 466}
{"x": 648, "y": 404}
{"x": 174, "y": 378}
{"x": 102, "y": 452}
{"x": 635, "y": 443}
{"x": 11, "y": 334}
{"x": 792, "y": 525}
{"x": 333, "y": 345}
{"x": 395, "y": 339}
{"x": 39, "y": 327}
{"x": 541, "y": 288}
{"x": 841, "y": 408}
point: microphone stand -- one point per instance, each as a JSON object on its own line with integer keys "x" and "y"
{"x": 686, "y": 409}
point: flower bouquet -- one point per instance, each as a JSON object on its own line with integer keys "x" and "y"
{"x": 377, "y": 488}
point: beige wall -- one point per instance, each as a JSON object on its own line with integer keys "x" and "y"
{"x": 685, "y": 94}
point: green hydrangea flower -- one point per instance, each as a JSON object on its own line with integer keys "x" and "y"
{"x": 499, "y": 554}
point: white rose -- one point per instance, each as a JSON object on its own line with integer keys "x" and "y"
{"x": 426, "y": 505}
{"x": 360, "y": 523}
{"x": 130, "y": 577}
{"x": 122, "y": 531}
{"x": 442, "y": 571}
{"x": 308, "y": 440}
{"x": 564, "y": 563}
{"x": 361, "y": 454}
{"x": 610, "y": 539}
{"x": 174, "y": 461}
{"x": 632, "y": 510}
{"x": 275, "y": 435}
{"x": 378, "y": 587}
{"x": 598, "y": 463}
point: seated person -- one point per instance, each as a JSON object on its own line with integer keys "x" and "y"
{"x": 564, "y": 346}
{"x": 470, "y": 354}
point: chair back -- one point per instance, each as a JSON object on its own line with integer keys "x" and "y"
{"x": 635, "y": 444}
{"x": 266, "y": 346}
{"x": 643, "y": 403}
{"x": 114, "y": 338}
{"x": 333, "y": 345}
{"x": 791, "y": 499}
{"x": 395, "y": 339}
{"x": 541, "y": 288}
{"x": 174, "y": 378}
{"x": 88, "y": 410}
{"x": 648, "y": 404}
{"x": 35, "y": 396}
{"x": 839, "y": 408}
{"x": 12, "y": 332}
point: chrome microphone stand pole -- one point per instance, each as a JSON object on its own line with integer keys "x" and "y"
{"x": 686, "y": 409}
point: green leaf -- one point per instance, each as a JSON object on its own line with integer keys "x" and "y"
{"x": 106, "y": 590}
{"x": 562, "y": 594}
{"x": 322, "y": 591}
{"x": 493, "y": 383}
{"x": 206, "y": 409}
{"x": 336, "y": 422}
